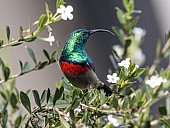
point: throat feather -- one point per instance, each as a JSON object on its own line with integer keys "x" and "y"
{"x": 71, "y": 68}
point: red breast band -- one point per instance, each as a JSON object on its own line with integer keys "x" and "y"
{"x": 72, "y": 68}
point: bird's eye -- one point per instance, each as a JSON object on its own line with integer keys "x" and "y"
{"x": 83, "y": 34}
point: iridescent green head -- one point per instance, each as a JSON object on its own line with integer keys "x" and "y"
{"x": 74, "y": 48}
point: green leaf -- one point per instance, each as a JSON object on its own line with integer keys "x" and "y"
{"x": 8, "y": 32}
{"x": 114, "y": 103}
{"x": 43, "y": 96}
{"x": 6, "y": 73}
{"x": 164, "y": 122}
{"x": 42, "y": 21}
{"x": 46, "y": 54}
{"x": 36, "y": 98}
{"x": 53, "y": 56}
{"x": 125, "y": 103}
{"x": 133, "y": 23}
{"x": 21, "y": 32}
{"x": 120, "y": 16}
{"x": 48, "y": 95}
{"x": 102, "y": 96}
{"x": 47, "y": 10}
{"x": 62, "y": 104}
{"x": 13, "y": 100}
{"x": 72, "y": 115}
{"x": 41, "y": 65}
{"x": 137, "y": 73}
{"x": 75, "y": 103}
{"x": 64, "y": 123}
{"x": 131, "y": 5}
{"x": 125, "y": 4}
{"x": 25, "y": 101}
{"x": 56, "y": 96}
{"x": 21, "y": 65}
{"x": 30, "y": 39}
{"x": 59, "y": 2}
{"x": 5, "y": 117}
{"x": 18, "y": 122}
{"x": 26, "y": 67}
{"x": 32, "y": 55}
{"x": 162, "y": 110}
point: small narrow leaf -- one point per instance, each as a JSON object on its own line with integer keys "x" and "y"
{"x": 47, "y": 10}
{"x": 125, "y": 103}
{"x": 30, "y": 39}
{"x": 5, "y": 118}
{"x": 25, "y": 101}
{"x": 26, "y": 67}
{"x": 164, "y": 122}
{"x": 42, "y": 21}
{"x": 53, "y": 56}
{"x": 64, "y": 123}
{"x": 114, "y": 103}
{"x": 62, "y": 104}
{"x": 13, "y": 100}
{"x": 125, "y": 4}
{"x": 43, "y": 96}
{"x": 72, "y": 115}
{"x": 21, "y": 32}
{"x": 48, "y": 95}
{"x": 75, "y": 103}
{"x": 32, "y": 55}
{"x": 120, "y": 16}
{"x": 46, "y": 54}
{"x": 21, "y": 66}
{"x": 36, "y": 98}
{"x": 137, "y": 73}
{"x": 6, "y": 73}
{"x": 56, "y": 96}
{"x": 8, "y": 32}
{"x": 41, "y": 65}
{"x": 59, "y": 2}
{"x": 18, "y": 122}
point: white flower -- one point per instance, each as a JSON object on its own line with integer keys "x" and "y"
{"x": 112, "y": 78}
{"x": 77, "y": 110}
{"x": 125, "y": 63}
{"x": 50, "y": 39}
{"x": 113, "y": 120}
{"x": 155, "y": 81}
{"x": 139, "y": 32}
{"x": 136, "y": 66}
{"x": 105, "y": 106}
{"x": 65, "y": 12}
{"x": 118, "y": 49}
{"x": 66, "y": 117}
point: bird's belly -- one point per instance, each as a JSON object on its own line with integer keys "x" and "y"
{"x": 80, "y": 76}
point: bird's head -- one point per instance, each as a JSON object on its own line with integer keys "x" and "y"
{"x": 78, "y": 38}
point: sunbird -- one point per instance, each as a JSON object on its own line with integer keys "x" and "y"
{"x": 75, "y": 63}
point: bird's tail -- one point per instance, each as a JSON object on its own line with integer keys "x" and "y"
{"x": 106, "y": 89}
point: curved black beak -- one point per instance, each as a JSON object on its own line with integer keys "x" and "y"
{"x": 100, "y": 30}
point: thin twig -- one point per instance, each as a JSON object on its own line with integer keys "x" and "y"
{"x": 23, "y": 73}
{"x": 104, "y": 111}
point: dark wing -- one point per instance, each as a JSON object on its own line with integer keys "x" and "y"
{"x": 91, "y": 66}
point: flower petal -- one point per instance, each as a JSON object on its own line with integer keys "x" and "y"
{"x": 69, "y": 8}
{"x": 70, "y": 16}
